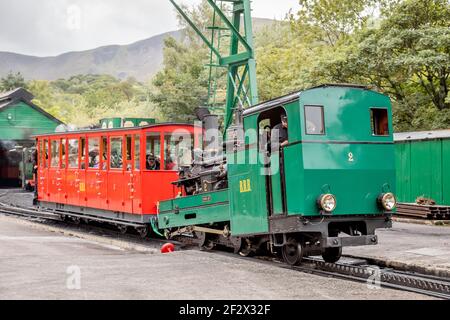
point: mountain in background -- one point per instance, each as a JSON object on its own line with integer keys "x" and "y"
{"x": 141, "y": 60}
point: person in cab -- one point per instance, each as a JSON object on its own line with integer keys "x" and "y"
{"x": 282, "y": 131}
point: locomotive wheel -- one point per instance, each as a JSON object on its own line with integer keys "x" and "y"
{"x": 201, "y": 238}
{"x": 237, "y": 243}
{"x": 332, "y": 255}
{"x": 143, "y": 232}
{"x": 209, "y": 245}
{"x": 246, "y": 248}
{"x": 122, "y": 229}
{"x": 76, "y": 220}
{"x": 292, "y": 252}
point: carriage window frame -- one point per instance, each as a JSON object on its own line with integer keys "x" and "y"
{"x": 55, "y": 155}
{"x": 137, "y": 152}
{"x": 73, "y": 153}
{"x": 305, "y": 111}
{"x": 154, "y": 137}
{"x": 82, "y": 147}
{"x": 374, "y": 126}
{"x": 111, "y": 149}
{"x": 63, "y": 153}
{"x": 104, "y": 143}
{"x": 129, "y": 152}
{"x": 41, "y": 153}
{"x": 46, "y": 153}
{"x": 92, "y": 148}
{"x": 172, "y": 158}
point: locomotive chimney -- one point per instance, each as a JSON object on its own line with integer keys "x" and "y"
{"x": 211, "y": 137}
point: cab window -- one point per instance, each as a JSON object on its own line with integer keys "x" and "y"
{"x": 116, "y": 154}
{"x": 54, "y": 149}
{"x": 314, "y": 120}
{"x": 379, "y": 121}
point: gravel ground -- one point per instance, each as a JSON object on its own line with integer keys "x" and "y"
{"x": 16, "y": 197}
{"x": 38, "y": 264}
{"x": 406, "y": 244}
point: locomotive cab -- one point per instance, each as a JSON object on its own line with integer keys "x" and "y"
{"x": 332, "y": 184}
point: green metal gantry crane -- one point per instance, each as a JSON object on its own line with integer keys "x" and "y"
{"x": 240, "y": 63}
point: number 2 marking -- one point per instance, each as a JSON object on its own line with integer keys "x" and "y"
{"x": 350, "y": 157}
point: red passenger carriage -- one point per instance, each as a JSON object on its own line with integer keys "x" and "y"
{"x": 116, "y": 175}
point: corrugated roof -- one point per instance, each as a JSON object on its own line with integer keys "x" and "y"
{"x": 16, "y": 94}
{"x": 4, "y": 103}
{"x": 422, "y": 135}
{"x": 10, "y": 98}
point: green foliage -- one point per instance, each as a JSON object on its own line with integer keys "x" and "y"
{"x": 404, "y": 53}
{"x": 330, "y": 20}
{"x": 85, "y": 99}
{"x": 182, "y": 85}
{"x": 12, "y": 81}
{"x": 399, "y": 47}
{"x": 406, "y": 57}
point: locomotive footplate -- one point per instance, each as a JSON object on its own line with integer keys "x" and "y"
{"x": 353, "y": 241}
{"x": 353, "y": 230}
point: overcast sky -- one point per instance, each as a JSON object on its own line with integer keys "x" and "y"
{"x": 52, "y": 27}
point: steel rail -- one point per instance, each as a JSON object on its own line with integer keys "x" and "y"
{"x": 385, "y": 277}
{"x": 100, "y": 231}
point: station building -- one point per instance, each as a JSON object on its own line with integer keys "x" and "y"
{"x": 20, "y": 118}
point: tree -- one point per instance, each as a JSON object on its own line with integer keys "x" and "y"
{"x": 331, "y": 20}
{"x": 406, "y": 55}
{"x": 182, "y": 84}
{"x": 12, "y": 81}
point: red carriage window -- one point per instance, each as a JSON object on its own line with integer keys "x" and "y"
{"x": 63, "y": 153}
{"x": 153, "y": 151}
{"x": 41, "y": 153}
{"x": 45, "y": 155}
{"x": 128, "y": 152}
{"x": 54, "y": 154}
{"x": 137, "y": 152}
{"x": 104, "y": 159}
{"x": 116, "y": 153}
{"x": 73, "y": 153}
{"x": 94, "y": 153}
{"x": 178, "y": 150}
{"x": 83, "y": 153}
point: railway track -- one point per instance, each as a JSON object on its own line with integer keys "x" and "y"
{"x": 360, "y": 271}
{"x": 376, "y": 276}
{"x": 93, "y": 228}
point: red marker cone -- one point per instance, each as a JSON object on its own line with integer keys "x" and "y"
{"x": 168, "y": 248}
